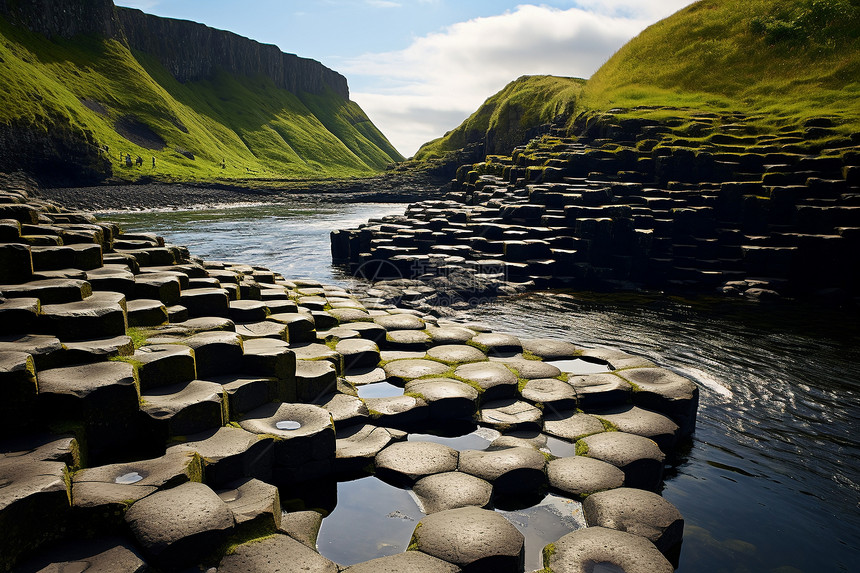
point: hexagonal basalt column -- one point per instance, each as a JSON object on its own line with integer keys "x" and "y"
{"x": 581, "y": 476}
{"x": 477, "y": 540}
{"x": 639, "y": 458}
{"x": 664, "y": 391}
{"x": 581, "y": 550}
{"x": 407, "y": 462}
{"x": 180, "y": 526}
{"x": 304, "y": 439}
{"x": 638, "y": 512}
{"x": 511, "y": 470}
{"x": 29, "y": 491}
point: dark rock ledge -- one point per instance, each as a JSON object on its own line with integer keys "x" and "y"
{"x": 155, "y": 405}
{"x": 772, "y": 219}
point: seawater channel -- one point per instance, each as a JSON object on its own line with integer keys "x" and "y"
{"x": 771, "y": 480}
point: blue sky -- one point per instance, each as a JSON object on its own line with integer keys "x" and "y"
{"x": 420, "y": 67}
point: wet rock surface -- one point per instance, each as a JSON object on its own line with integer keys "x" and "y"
{"x": 193, "y": 429}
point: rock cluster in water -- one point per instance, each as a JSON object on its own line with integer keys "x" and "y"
{"x": 757, "y": 215}
{"x": 155, "y": 405}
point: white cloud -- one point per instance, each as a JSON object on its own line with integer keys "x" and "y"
{"x": 440, "y": 79}
{"x": 383, "y": 4}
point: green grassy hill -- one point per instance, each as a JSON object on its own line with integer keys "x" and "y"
{"x": 506, "y": 118}
{"x": 64, "y": 101}
{"x": 784, "y": 60}
{"x": 781, "y": 65}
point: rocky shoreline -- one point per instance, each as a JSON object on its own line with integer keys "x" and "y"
{"x": 391, "y": 187}
{"x": 158, "y": 407}
{"x": 742, "y": 214}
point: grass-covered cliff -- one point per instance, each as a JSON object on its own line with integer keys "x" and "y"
{"x": 70, "y": 106}
{"x": 510, "y": 116}
{"x": 783, "y": 65}
{"x": 786, "y": 60}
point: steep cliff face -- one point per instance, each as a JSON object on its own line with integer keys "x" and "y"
{"x": 193, "y": 52}
{"x": 84, "y": 84}
{"x": 63, "y": 18}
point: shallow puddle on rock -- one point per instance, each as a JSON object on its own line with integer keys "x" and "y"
{"x": 560, "y": 448}
{"x": 288, "y": 425}
{"x": 129, "y": 478}
{"x": 479, "y": 439}
{"x": 372, "y": 519}
{"x": 379, "y": 390}
{"x": 545, "y": 523}
{"x": 580, "y": 366}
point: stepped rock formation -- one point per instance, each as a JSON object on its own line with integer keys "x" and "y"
{"x": 153, "y": 405}
{"x": 761, "y": 214}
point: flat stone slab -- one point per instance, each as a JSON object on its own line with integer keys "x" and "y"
{"x": 472, "y": 538}
{"x": 532, "y": 369}
{"x": 636, "y": 511}
{"x": 303, "y": 526}
{"x": 358, "y": 353}
{"x": 393, "y": 322}
{"x": 550, "y": 391}
{"x": 600, "y": 390}
{"x": 216, "y": 353}
{"x": 635, "y": 420}
{"x": 103, "y": 555}
{"x": 410, "y": 561}
{"x": 360, "y": 377}
{"x": 407, "y": 462}
{"x": 551, "y": 349}
{"x": 450, "y": 490}
{"x": 90, "y": 390}
{"x": 517, "y": 469}
{"x": 230, "y": 454}
{"x": 262, "y": 329}
{"x": 509, "y": 413}
{"x": 407, "y": 339}
{"x": 96, "y": 316}
{"x": 402, "y": 371}
{"x": 450, "y": 334}
{"x": 580, "y": 475}
{"x": 50, "y": 291}
{"x": 447, "y": 397}
{"x": 186, "y": 408}
{"x": 579, "y": 551}
{"x": 345, "y": 410}
{"x": 666, "y": 392}
{"x": 456, "y": 354}
{"x": 253, "y": 503}
{"x": 180, "y": 525}
{"x": 47, "y": 351}
{"x": 277, "y": 554}
{"x": 497, "y": 344}
{"x": 571, "y": 425}
{"x": 358, "y": 445}
{"x": 164, "y": 365}
{"x": 304, "y": 439}
{"x": 494, "y": 378}
{"x": 31, "y": 490}
{"x": 639, "y": 458}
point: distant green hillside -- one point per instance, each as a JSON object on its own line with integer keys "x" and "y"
{"x": 779, "y": 63}
{"x": 69, "y": 99}
{"x": 789, "y": 60}
{"x": 506, "y": 119}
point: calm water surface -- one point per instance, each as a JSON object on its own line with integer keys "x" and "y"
{"x": 771, "y": 481}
